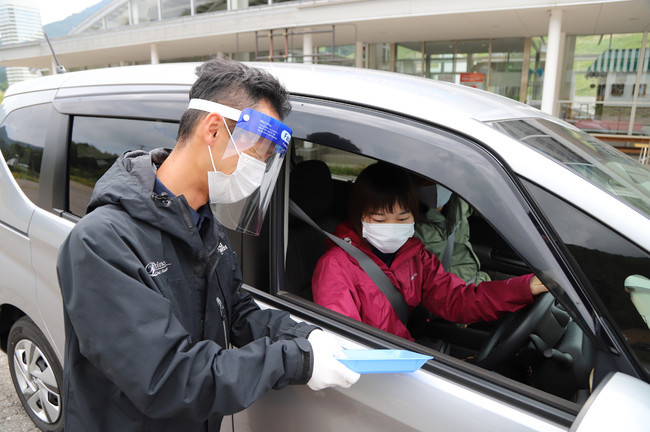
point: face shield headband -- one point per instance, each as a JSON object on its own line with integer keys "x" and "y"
{"x": 252, "y": 159}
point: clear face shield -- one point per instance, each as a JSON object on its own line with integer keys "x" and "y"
{"x": 242, "y": 181}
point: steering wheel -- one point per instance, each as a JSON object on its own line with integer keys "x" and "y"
{"x": 512, "y": 332}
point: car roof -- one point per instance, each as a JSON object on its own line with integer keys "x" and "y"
{"x": 408, "y": 95}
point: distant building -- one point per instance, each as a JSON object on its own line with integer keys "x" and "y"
{"x": 20, "y": 21}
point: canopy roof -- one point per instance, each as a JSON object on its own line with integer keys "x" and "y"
{"x": 618, "y": 60}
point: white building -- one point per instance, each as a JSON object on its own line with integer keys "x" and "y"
{"x": 542, "y": 52}
{"x": 20, "y": 21}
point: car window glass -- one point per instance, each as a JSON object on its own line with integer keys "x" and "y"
{"x": 617, "y": 269}
{"x": 590, "y": 158}
{"x": 97, "y": 142}
{"x": 21, "y": 142}
{"x": 342, "y": 164}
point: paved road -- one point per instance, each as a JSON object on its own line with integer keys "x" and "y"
{"x": 12, "y": 416}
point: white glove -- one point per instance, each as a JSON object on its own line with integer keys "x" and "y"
{"x": 328, "y": 371}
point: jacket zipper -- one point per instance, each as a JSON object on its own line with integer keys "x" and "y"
{"x": 222, "y": 311}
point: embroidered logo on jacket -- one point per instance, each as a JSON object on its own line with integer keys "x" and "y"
{"x": 157, "y": 268}
{"x": 222, "y": 248}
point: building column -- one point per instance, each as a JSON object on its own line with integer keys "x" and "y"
{"x": 552, "y": 66}
{"x": 359, "y": 58}
{"x": 525, "y": 68}
{"x": 155, "y": 59}
{"x": 307, "y": 47}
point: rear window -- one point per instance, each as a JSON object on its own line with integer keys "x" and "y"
{"x": 21, "y": 141}
{"x": 97, "y": 142}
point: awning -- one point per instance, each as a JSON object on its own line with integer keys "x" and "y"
{"x": 618, "y": 60}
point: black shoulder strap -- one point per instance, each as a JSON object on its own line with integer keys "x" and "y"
{"x": 377, "y": 275}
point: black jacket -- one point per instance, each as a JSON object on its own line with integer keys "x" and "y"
{"x": 150, "y": 306}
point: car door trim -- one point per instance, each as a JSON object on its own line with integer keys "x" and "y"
{"x": 529, "y": 399}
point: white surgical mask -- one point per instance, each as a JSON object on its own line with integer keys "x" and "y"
{"x": 244, "y": 180}
{"x": 387, "y": 237}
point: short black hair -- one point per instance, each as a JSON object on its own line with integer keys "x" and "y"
{"x": 234, "y": 84}
{"x": 378, "y": 188}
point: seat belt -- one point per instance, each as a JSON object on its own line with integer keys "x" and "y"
{"x": 377, "y": 275}
{"x": 448, "y": 253}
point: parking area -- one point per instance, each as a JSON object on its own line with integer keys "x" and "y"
{"x": 12, "y": 416}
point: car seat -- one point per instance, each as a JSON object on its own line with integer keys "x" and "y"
{"x": 311, "y": 187}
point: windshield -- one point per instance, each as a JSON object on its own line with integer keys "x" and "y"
{"x": 599, "y": 163}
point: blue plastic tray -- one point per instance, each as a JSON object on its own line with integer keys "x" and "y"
{"x": 366, "y": 361}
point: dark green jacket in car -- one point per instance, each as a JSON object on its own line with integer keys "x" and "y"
{"x": 434, "y": 228}
{"x": 150, "y": 307}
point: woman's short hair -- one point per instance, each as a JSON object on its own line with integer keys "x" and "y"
{"x": 378, "y": 188}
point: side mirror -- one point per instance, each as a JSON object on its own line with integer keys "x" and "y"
{"x": 620, "y": 402}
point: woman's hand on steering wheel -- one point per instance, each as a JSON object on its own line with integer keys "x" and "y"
{"x": 536, "y": 286}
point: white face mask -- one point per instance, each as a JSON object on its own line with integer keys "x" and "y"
{"x": 387, "y": 237}
{"x": 230, "y": 188}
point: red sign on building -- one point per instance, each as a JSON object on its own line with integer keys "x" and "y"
{"x": 473, "y": 77}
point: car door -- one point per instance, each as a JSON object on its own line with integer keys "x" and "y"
{"x": 447, "y": 393}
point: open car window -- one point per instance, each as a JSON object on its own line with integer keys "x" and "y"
{"x": 322, "y": 189}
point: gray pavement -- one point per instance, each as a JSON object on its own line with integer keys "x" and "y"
{"x": 12, "y": 416}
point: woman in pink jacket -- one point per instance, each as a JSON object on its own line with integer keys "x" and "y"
{"x": 382, "y": 211}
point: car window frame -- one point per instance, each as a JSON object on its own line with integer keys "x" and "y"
{"x": 540, "y": 256}
{"x": 129, "y": 102}
{"x": 278, "y": 214}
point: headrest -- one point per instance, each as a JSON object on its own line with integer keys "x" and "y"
{"x": 310, "y": 187}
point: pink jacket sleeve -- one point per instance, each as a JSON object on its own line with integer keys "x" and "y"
{"x": 449, "y": 297}
{"x": 333, "y": 285}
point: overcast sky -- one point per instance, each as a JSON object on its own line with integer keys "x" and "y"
{"x": 56, "y": 10}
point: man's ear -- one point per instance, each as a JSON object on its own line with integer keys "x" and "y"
{"x": 211, "y": 125}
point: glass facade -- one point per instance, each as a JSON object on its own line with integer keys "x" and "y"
{"x": 117, "y": 18}
{"x": 205, "y": 6}
{"x": 133, "y": 12}
{"x": 175, "y": 8}
{"x": 144, "y": 11}
{"x": 506, "y": 66}
{"x": 535, "y": 76}
{"x": 379, "y": 56}
{"x": 490, "y": 64}
{"x": 598, "y": 92}
{"x": 599, "y": 81}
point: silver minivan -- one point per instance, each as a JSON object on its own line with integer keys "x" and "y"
{"x": 546, "y": 198}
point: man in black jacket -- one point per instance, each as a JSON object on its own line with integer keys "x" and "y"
{"x": 152, "y": 287}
